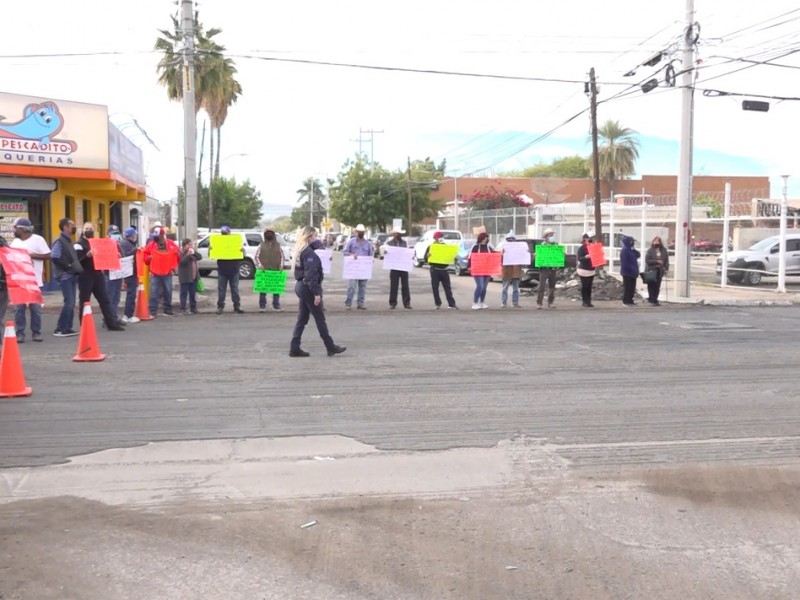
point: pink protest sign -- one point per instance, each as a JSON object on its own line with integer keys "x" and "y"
{"x": 485, "y": 263}
{"x": 105, "y": 253}
{"x": 20, "y": 277}
{"x": 596, "y": 254}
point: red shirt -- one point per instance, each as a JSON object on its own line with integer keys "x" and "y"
{"x": 162, "y": 262}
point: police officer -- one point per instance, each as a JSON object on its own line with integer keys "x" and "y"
{"x": 308, "y": 287}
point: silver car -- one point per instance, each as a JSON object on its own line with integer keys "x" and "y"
{"x": 762, "y": 259}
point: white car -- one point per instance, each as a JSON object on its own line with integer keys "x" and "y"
{"x": 449, "y": 236}
{"x": 250, "y": 241}
{"x": 761, "y": 260}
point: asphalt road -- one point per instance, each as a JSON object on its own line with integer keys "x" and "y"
{"x": 585, "y": 453}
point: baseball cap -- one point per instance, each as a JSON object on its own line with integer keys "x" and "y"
{"x": 437, "y": 235}
{"x": 225, "y": 229}
{"x": 130, "y": 231}
{"x": 113, "y": 229}
{"x": 23, "y": 222}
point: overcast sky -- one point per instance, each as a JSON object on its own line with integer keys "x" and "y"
{"x": 297, "y": 120}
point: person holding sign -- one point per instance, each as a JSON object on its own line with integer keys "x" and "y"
{"x": 547, "y": 275}
{"x": 511, "y": 276}
{"x": 39, "y": 251}
{"x": 92, "y": 282}
{"x": 439, "y": 272}
{"x": 481, "y": 281}
{"x": 269, "y": 257}
{"x": 188, "y": 274}
{"x": 162, "y": 255}
{"x": 398, "y": 278}
{"x": 357, "y": 246}
{"x": 308, "y": 287}
{"x": 586, "y": 270}
{"x": 128, "y": 248}
{"x": 228, "y": 271}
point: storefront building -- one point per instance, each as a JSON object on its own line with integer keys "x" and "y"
{"x": 65, "y": 159}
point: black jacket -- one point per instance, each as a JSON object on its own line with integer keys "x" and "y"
{"x": 308, "y": 269}
{"x": 584, "y": 262}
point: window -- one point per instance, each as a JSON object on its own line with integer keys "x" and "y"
{"x": 204, "y": 242}
{"x": 253, "y": 239}
{"x": 87, "y": 211}
{"x": 68, "y": 203}
{"x": 792, "y": 245}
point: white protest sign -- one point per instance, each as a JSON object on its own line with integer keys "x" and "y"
{"x": 398, "y": 259}
{"x": 516, "y": 253}
{"x": 357, "y": 268}
{"x": 326, "y": 256}
{"x": 125, "y": 271}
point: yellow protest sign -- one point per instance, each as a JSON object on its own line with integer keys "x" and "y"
{"x": 442, "y": 254}
{"x": 226, "y": 247}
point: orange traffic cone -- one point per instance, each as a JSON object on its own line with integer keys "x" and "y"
{"x": 12, "y": 379}
{"x": 88, "y": 348}
{"x": 142, "y": 311}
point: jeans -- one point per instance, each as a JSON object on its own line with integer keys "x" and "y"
{"x": 351, "y": 291}
{"x": 160, "y": 285}
{"x": 132, "y": 288}
{"x": 547, "y": 281}
{"x": 36, "y": 318}
{"x": 223, "y": 279}
{"x": 114, "y": 287}
{"x": 628, "y": 289}
{"x": 441, "y": 276}
{"x": 586, "y": 289}
{"x": 305, "y": 309}
{"x": 654, "y": 289}
{"x": 276, "y": 301}
{"x": 514, "y": 285}
{"x": 481, "y": 282}
{"x": 189, "y": 289}
{"x": 399, "y": 279}
{"x": 69, "y": 289}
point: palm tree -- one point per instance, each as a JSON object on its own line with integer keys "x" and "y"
{"x": 617, "y": 153}
{"x": 313, "y": 192}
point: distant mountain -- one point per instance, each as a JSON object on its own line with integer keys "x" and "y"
{"x": 273, "y": 211}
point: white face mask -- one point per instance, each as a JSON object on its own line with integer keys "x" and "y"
{"x": 551, "y": 239}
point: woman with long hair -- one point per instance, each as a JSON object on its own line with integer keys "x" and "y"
{"x": 481, "y": 281}
{"x": 91, "y": 281}
{"x": 586, "y": 270}
{"x": 656, "y": 259}
{"x": 308, "y": 287}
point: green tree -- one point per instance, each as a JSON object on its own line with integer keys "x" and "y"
{"x": 281, "y": 224}
{"x": 235, "y": 204}
{"x": 300, "y": 214}
{"x": 715, "y": 208}
{"x": 569, "y": 167}
{"x": 370, "y": 194}
{"x": 617, "y": 152}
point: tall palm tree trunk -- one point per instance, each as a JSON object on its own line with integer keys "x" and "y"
{"x": 216, "y": 166}
{"x": 200, "y": 161}
{"x": 211, "y": 179}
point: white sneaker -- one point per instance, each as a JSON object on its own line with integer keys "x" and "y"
{"x": 133, "y": 320}
{"x": 476, "y": 306}
{"x": 484, "y": 305}
{"x": 124, "y": 319}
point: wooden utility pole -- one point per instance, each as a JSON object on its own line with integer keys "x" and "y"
{"x": 598, "y": 212}
{"x": 408, "y": 187}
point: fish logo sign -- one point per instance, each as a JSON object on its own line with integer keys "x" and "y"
{"x": 35, "y": 133}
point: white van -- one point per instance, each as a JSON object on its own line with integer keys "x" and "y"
{"x": 449, "y": 236}
{"x": 250, "y": 240}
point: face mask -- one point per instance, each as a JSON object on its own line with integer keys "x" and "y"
{"x": 88, "y": 234}
{"x": 16, "y": 234}
{"x": 551, "y": 239}
{"x": 361, "y": 235}
{"x": 316, "y": 244}
{"x": 397, "y": 236}
{"x": 269, "y": 237}
{"x": 73, "y": 230}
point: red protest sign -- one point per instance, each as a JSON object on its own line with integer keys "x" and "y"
{"x": 105, "y": 253}
{"x": 20, "y": 277}
{"x": 485, "y": 263}
{"x": 596, "y": 255}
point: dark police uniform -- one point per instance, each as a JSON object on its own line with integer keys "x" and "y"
{"x": 308, "y": 275}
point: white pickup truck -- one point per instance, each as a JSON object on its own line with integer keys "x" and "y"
{"x": 449, "y": 236}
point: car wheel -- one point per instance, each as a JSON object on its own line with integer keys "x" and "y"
{"x": 753, "y": 277}
{"x": 458, "y": 270}
{"x": 247, "y": 270}
{"x": 735, "y": 279}
{"x": 205, "y": 272}
{"x": 417, "y": 262}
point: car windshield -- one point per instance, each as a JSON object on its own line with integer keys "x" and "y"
{"x": 764, "y": 244}
{"x": 451, "y": 235}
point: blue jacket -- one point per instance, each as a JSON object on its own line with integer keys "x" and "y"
{"x": 628, "y": 258}
{"x": 308, "y": 269}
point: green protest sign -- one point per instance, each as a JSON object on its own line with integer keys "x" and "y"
{"x": 549, "y": 256}
{"x": 270, "y": 282}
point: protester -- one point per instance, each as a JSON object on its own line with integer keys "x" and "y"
{"x": 228, "y": 274}
{"x": 585, "y": 270}
{"x": 629, "y": 269}
{"x": 398, "y": 278}
{"x": 114, "y": 286}
{"x": 91, "y": 281}
{"x": 440, "y": 275}
{"x": 66, "y": 267}
{"x": 547, "y": 275}
{"x": 188, "y": 274}
{"x": 357, "y": 246}
{"x": 128, "y": 248}
{"x": 511, "y": 276}
{"x": 481, "y": 281}
{"x": 269, "y": 256}
{"x": 656, "y": 259}
{"x": 39, "y": 252}
{"x": 162, "y": 256}
{"x": 308, "y": 287}
{"x": 3, "y": 287}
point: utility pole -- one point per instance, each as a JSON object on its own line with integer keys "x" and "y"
{"x": 189, "y": 120}
{"x": 311, "y": 205}
{"x": 598, "y": 213}
{"x": 371, "y": 133}
{"x": 408, "y": 188}
{"x": 683, "y": 219}
{"x": 782, "y": 242}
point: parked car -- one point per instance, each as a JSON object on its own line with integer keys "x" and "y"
{"x": 250, "y": 239}
{"x": 377, "y": 242}
{"x": 706, "y": 246}
{"x": 761, "y": 260}
{"x": 449, "y": 236}
{"x": 530, "y": 274}
{"x": 461, "y": 263}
